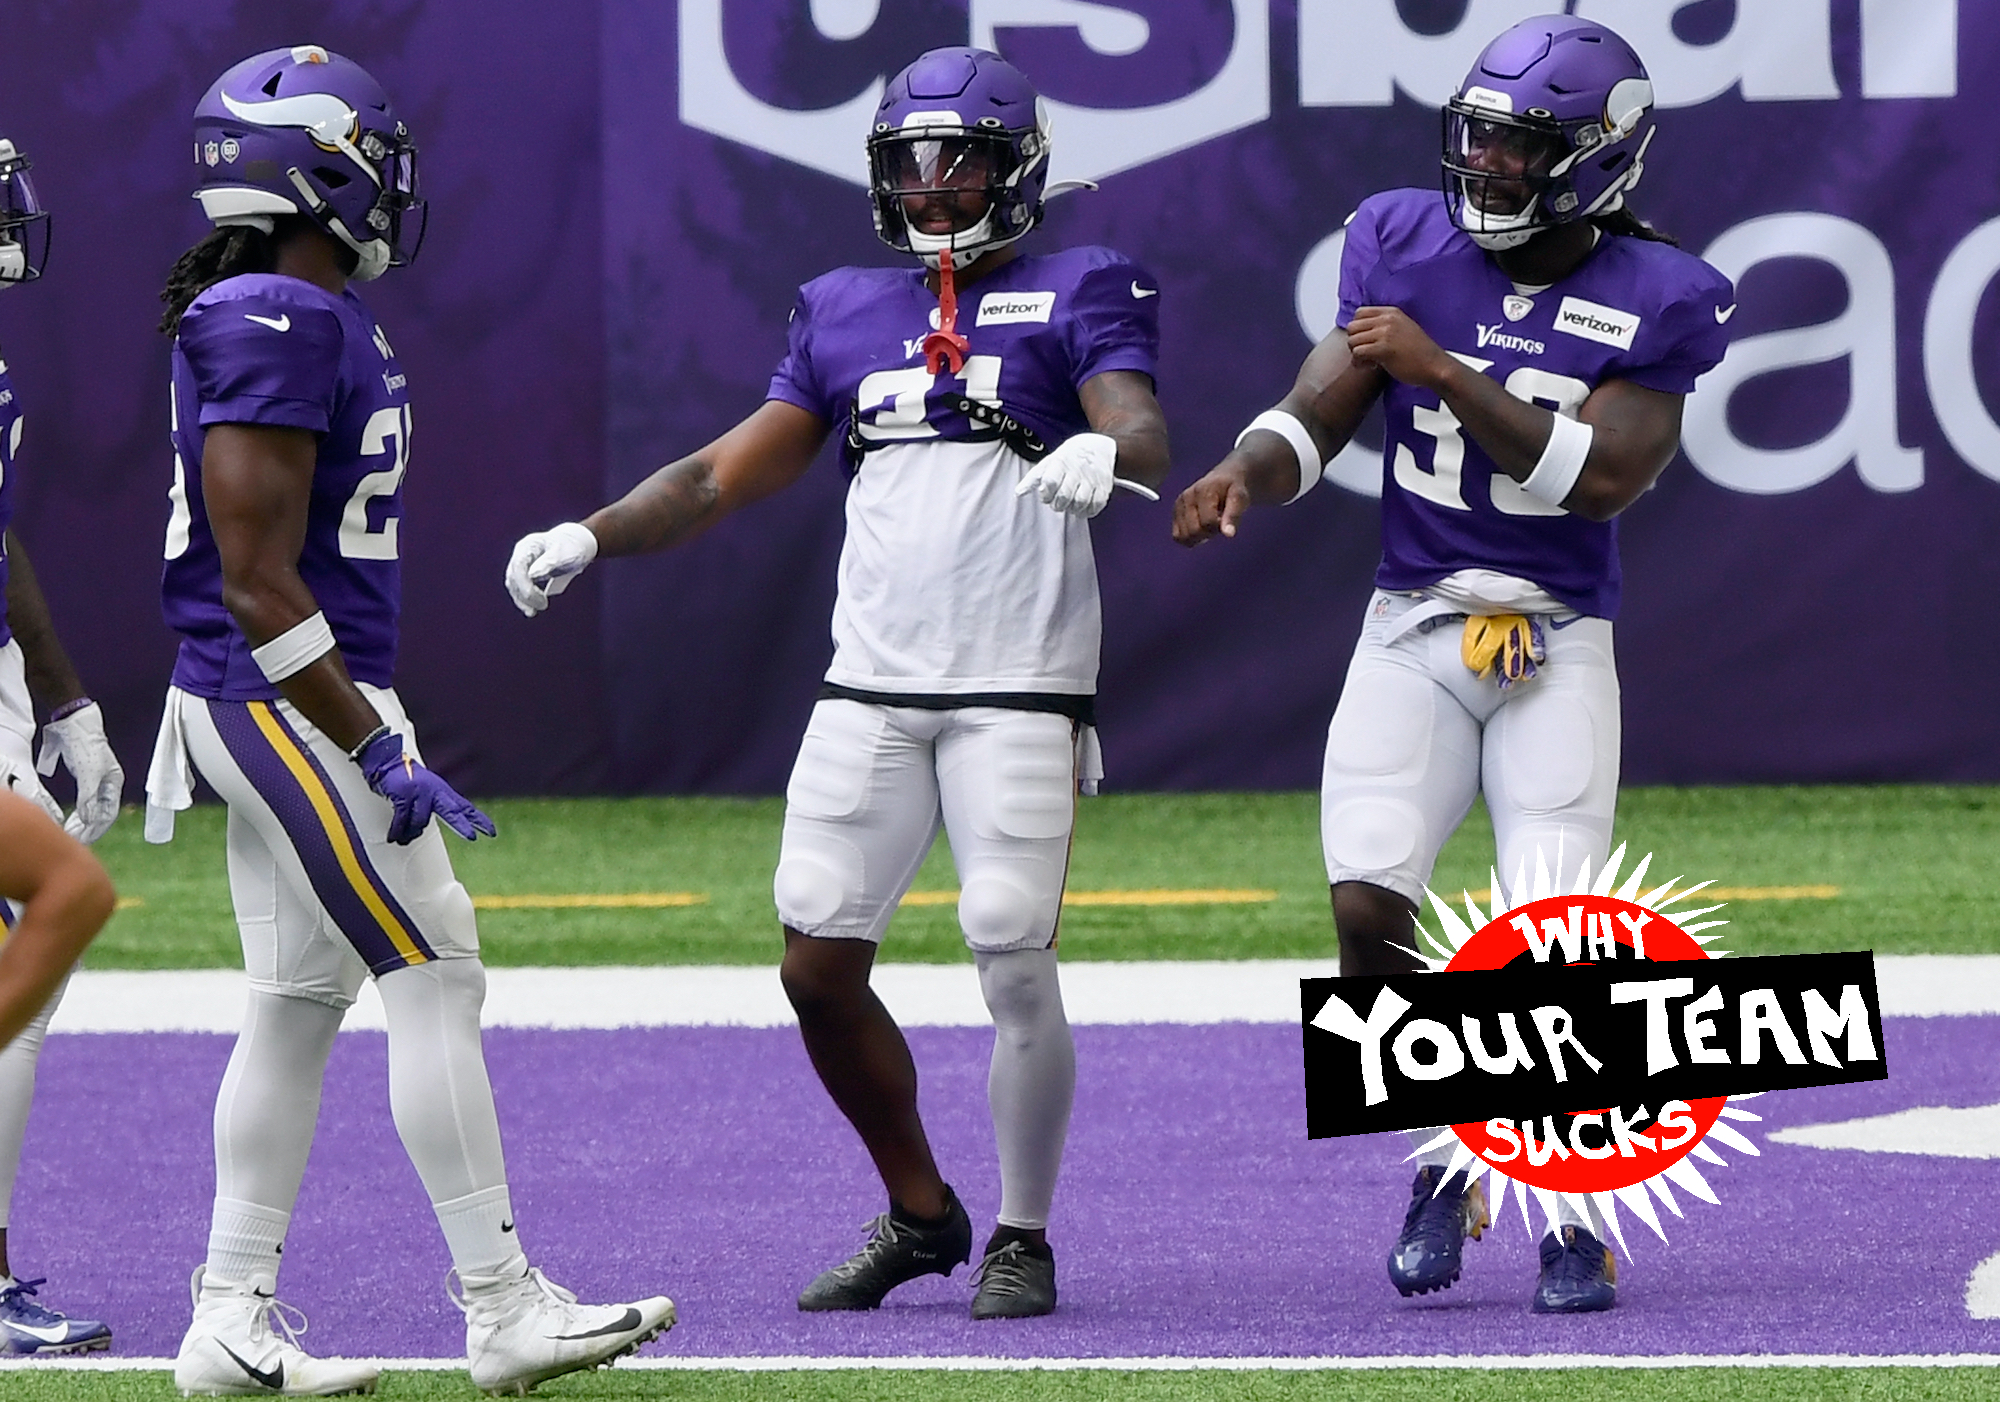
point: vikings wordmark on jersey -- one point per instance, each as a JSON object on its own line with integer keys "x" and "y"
{"x": 269, "y": 350}
{"x": 950, "y": 584}
{"x": 1636, "y": 310}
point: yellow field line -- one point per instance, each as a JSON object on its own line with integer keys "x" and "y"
{"x": 1734, "y": 893}
{"x": 1199, "y": 897}
{"x": 630, "y": 900}
{"x": 130, "y": 902}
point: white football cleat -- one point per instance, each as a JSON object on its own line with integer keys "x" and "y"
{"x": 523, "y": 1330}
{"x": 244, "y": 1343}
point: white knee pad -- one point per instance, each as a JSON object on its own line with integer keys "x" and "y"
{"x": 808, "y": 892}
{"x": 998, "y": 915}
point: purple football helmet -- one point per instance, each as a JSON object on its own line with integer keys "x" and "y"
{"x": 305, "y": 131}
{"x": 958, "y": 156}
{"x": 24, "y": 224}
{"x": 1550, "y": 126}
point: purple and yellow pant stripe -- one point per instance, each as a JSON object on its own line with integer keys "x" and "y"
{"x": 289, "y": 778}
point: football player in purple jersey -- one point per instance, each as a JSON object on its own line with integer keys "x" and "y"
{"x": 1530, "y": 341}
{"x": 36, "y": 674}
{"x": 986, "y": 404}
{"x": 291, "y": 434}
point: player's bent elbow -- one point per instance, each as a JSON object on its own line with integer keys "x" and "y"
{"x": 1600, "y": 501}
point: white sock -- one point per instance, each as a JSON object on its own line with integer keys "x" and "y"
{"x": 477, "y": 1225}
{"x": 246, "y": 1241}
{"x": 265, "y": 1114}
{"x": 443, "y": 1103}
{"x": 17, "y": 1094}
{"x": 1439, "y": 1157}
{"x": 1032, "y": 1081}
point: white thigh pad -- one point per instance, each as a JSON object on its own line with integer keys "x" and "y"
{"x": 860, "y": 813}
{"x": 1382, "y": 727}
{"x": 1402, "y": 767}
{"x": 1007, "y": 786}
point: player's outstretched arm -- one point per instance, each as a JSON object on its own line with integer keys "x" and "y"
{"x": 75, "y": 729}
{"x": 66, "y": 898}
{"x": 1126, "y": 447}
{"x": 764, "y": 454}
{"x": 1276, "y": 461}
{"x": 256, "y": 482}
{"x": 1595, "y": 465}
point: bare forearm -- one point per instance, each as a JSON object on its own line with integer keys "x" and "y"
{"x": 1513, "y": 432}
{"x": 323, "y": 691}
{"x": 52, "y": 678}
{"x": 1120, "y": 405}
{"x": 675, "y": 504}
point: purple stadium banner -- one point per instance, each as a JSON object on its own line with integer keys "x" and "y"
{"x": 626, "y": 194}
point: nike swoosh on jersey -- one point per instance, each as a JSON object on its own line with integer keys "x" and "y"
{"x": 1723, "y": 314}
{"x": 1138, "y": 291}
{"x": 1560, "y": 624}
{"x": 281, "y": 323}
{"x": 626, "y": 1321}
{"x": 274, "y": 1379}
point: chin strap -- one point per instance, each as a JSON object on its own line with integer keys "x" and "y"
{"x": 945, "y": 346}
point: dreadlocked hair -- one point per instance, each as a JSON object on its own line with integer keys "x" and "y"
{"x": 1624, "y": 221}
{"x": 225, "y": 253}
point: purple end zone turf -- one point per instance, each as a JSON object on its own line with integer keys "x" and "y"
{"x": 1195, "y": 1217}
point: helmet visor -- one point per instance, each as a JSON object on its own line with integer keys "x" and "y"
{"x": 1499, "y": 163}
{"x": 24, "y": 224}
{"x": 400, "y": 215}
{"x": 944, "y": 180}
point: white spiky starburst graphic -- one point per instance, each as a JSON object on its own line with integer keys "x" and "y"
{"x": 1638, "y": 1197}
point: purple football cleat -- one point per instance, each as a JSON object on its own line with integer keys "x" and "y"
{"x": 1426, "y": 1256}
{"x": 1579, "y": 1274}
{"x": 30, "y": 1328}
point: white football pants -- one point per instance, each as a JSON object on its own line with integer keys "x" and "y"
{"x": 323, "y": 900}
{"x": 1417, "y": 737}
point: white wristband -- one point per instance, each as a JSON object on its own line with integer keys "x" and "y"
{"x": 294, "y": 650}
{"x": 1561, "y": 461}
{"x": 1287, "y": 427}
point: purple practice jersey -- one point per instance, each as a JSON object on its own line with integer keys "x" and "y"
{"x": 950, "y": 583}
{"x": 263, "y": 349}
{"x": 10, "y": 444}
{"x": 1636, "y": 310}
{"x": 1038, "y": 326}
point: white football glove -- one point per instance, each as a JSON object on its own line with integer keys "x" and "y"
{"x": 1076, "y": 478}
{"x": 544, "y": 563}
{"x": 78, "y": 741}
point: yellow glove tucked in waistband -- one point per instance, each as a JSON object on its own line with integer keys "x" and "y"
{"x": 1505, "y": 646}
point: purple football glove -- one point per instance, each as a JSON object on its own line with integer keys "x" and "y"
{"x": 416, "y": 793}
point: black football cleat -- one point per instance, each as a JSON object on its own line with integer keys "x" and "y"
{"x": 1016, "y": 1281}
{"x": 1426, "y": 1256}
{"x": 897, "y": 1251}
{"x": 1579, "y": 1274}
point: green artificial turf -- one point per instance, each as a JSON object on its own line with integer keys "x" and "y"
{"x": 1399, "y": 1385}
{"x": 1913, "y": 864}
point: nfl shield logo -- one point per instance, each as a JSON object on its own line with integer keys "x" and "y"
{"x": 1517, "y": 306}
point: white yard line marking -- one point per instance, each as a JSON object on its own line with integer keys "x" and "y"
{"x": 978, "y": 1364}
{"x": 1193, "y": 992}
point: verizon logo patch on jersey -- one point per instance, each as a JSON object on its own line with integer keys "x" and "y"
{"x": 1599, "y": 323}
{"x": 998, "y": 308}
